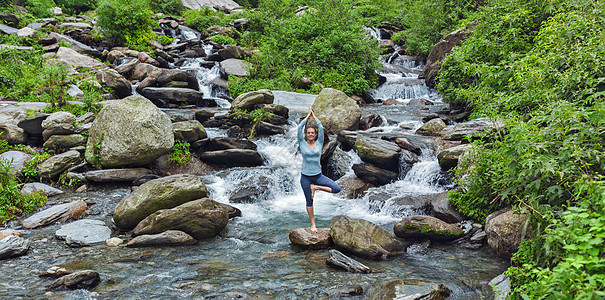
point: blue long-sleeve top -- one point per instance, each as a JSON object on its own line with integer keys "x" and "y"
{"x": 311, "y": 156}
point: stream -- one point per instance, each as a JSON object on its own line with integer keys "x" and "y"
{"x": 254, "y": 256}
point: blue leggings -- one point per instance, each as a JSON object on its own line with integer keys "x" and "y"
{"x": 319, "y": 179}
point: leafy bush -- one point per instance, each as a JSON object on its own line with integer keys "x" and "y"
{"x": 76, "y": 6}
{"x": 225, "y": 40}
{"x": 40, "y": 8}
{"x": 12, "y": 202}
{"x": 180, "y": 154}
{"x": 202, "y": 19}
{"x": 30, "y": 170}
{"x": 127, "y": 22}
{"x": 168, "y": 7}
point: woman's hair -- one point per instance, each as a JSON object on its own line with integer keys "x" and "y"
{"x": 314, "y": 128}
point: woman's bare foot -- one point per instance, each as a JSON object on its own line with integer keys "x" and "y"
{"x": 313, "y": 229}
{"x": 313, "y": 189}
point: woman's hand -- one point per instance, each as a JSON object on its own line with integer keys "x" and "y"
{"x": 309, "y": 114}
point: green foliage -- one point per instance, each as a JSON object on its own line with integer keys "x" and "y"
{"x": 168, "y": 7}
{"x": 54, "y": 77}
{"x": 93, "y": 154}
{"x": 12, "y": 202}
{"x": 539, "y": 65}
{"x": 76, "y": 6}
{"x": 180, "y": 154}
{"x": 127, "y": 22}
{"x": 166, "y": 40}
{"x": 225, "y": 40}
{"x": 40, "y": 8}
{"x": 30, "y": 170}
{"x": 6, "y": 5}
{"x": 324, "y": 43}
{"x": 204, "y": 18}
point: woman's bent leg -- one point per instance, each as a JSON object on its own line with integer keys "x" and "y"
{"x": 324, "y": 183}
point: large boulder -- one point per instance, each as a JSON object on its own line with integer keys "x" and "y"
{"x": 131, "y": 131}
{"x": 168, "y": 78}
{"x": 374, "y": 175}
{"x": 57, "y": 142}
{"x": 235, "y": 67}
{"x": 164, "y": 167}
{"x": 163, "y": 95}
{"x": 307, "y": 239}
{"x": 16, "y": 160}
{"x": 77, "y": 60}
{"x": 426, "y": 227}
{"x": 337, "y": 111}
{"x": 448, "y": 158}
{"x": 505, "y": 229}
{"x": 432, "y": 127}
{"x": 57, "y": 164}
{"x": 12, "y": 114}
{"x": 162, "y": 193}
{"x": 233, "y": 158}
{"x": 75, "y": 45}
{"x": 443, "y": 210}
{"x": 189, "y": 131}
{"x": 118, "y": 84}
{"x": 202, "y": 219}
{"x": 353, "y": 187}
{"x": 381, "y": 153}
{"x": 440, "y": 52}
{"x": 247, "y": 101}
{"x": 12, "y": 134}
{"x": 57, "y": 119}
{"x": 364, "y": 238}
{"x": 470, "y": 128}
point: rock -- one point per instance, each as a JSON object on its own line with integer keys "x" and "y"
{"x": 232, "y": 211}
{"x": 341, "y": 261}
{"x": 501, "y": 286}
{"x": 471, "y": 128}
{"x": 405, "y": 143}
{"x": 79, "y": 280}
{"x": 374, "y": 175}
{"x": 141, "y": 71}
{"x": 86, "y": 118}
{"x": 116, "y": 175}
{"x": 307, "y": 239}
{"x": 57, "y": 164}
{"x": 166, "y": 77}
{"x": 432, "y": 127}
{"x": 34, "y": 187}
{"x": 234, "y": 52}
{"x": 221, "y": 30}
{"x": 448, "y": 158}
{"x": 77, "y": 60}
{"x": 227, "y": 5}
{"x": 57, "y": 142}
{"x": 337, "y": 111}
{"x": 162, "y": 193}
{"x": 26, "y": 32}
{"x": 235, "y": 67}
{"x": 364, "y": 238}
{"x": 54, "y": 272}
{"x": 16, "y": 161}
{"x": 353, "y": 187}
{"x": 58, "y": 118}
{"x": 62, "y": 212}
{"x": 166, "y": 238}
{"x": 124, "y": 66}
{"x": 13, "y": 246}
{"x": 12, "y": 114}
{"x": 77, "y": 46}
{"x": 33, "y": 125}
{"x": 173, "y": 95}
{"x": 369, "y": 120}
{"x": 426, "y": 227}
{"x": 10, "y": 19}
{"x": 12, "y": 134}
{"x": 409, "y": 289}
{"x": 505, "y": 229}
{"x": 443, "y": 209}
{"x": 114, "y": 54}
{"x": 59, "y": 129}
{"x": 381, "y": 153}
{"x": 202, "y": 219}
{"x": 250, "y": 189}
{"x": 195, "y": 166}
{"x": 116, "y": 82}
{"x": 276, "y": 109}
{"x": 131, "y": 131}
{"x": 6, "y": 232}
{"x": 233, "y": 158}
{"x": 84, "y": 232}
{"x": 8, "y": 30}
{"x": 440, "y": 51}
{"x": 223, "y": 143}
{"x": 114, "y": 242}
{"x": 189, "y": 131}
{"x": 343, "y": 291}
{"x": 247, "y": 101}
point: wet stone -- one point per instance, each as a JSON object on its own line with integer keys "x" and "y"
{"x": 60, "y": 212}
{"x": 78, "y": 280}
{"x": 307, "y": 239}
{"x": 13, "y": 246}
{"x": 341, "y": 261}
{"x": 166, "y": 238}
{"x": 84, "y": 233}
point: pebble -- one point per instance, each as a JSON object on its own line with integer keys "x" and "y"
{"x": 114, "y": 242}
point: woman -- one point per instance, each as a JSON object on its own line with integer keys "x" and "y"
{"x": 311, "y": 143}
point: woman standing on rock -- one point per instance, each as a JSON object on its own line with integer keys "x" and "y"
{"x": 310, "y": 141}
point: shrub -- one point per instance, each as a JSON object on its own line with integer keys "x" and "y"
{"x": 168, "y": 7}
{"x": 40, "y": 8}
{"x": 225, "y": 40}
{"x": 76, "y": 6}
{"x": 180, "y": 154}
{"x": 127, "y": 22}
{"x": 202, "y": 19}
{"x": 12, "y": 202}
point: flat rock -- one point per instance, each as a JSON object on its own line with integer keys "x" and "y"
{"x": 75, "y": 45}
{"x": 235, "y": 67}
{"x": 13, "y": 246}
{"x": 233, "y": 158}
{"x": 34, "y": 187}
{"x": 341, "y": 261}
{"x": 116, "y": 175}
{"x": 85, "y": 232}
{"x": 17, "y": 160}
{"x": 79, "y": 280}
{"x": 6, "y": 232}
{"x": 307, "y": 239}
{"x": 11, "y": 114}
{"x": 166, "y": 238}
{"x": 61, "y": 212}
